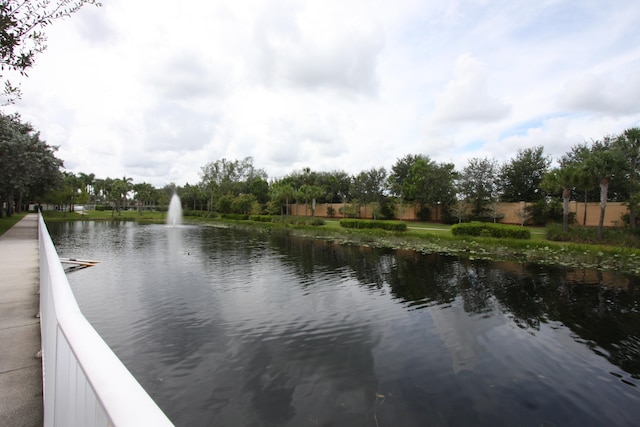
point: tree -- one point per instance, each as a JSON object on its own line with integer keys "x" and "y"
{"x": 521, "y": 177}
{"x": 430, "y": 184}
{"x": 368, "y": 186}
{"x": 28, "y": 166}
{"x": 229, "y": 177}
{"x": 336, "y": 185}
{"x": 87, "y": 183}
{"x": 143, "y": 194}
{"x": 400, "y": 172}
{"x": 118, "y": 193}
{"x": 243, "y": 203}
{"x": 21, "y": 35}
{"x": 561, "y": 179}
{"x": 259, "y": 187}
{"x": 478, "y": 183}
{"x": 281, "y": 192}
{"x": 460, "y": 210}
{"x": 193, "y": 194}
{"x": 603, "y": 162}
{"x": 628, "y": 143}
{"x": 309, "y": 193}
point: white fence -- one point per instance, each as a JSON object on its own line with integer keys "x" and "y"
{"x": 85, "y": 384}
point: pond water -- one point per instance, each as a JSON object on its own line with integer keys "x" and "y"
{"x": 226, "y": 327}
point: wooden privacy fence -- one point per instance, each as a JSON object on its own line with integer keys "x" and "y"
{"x": 509, "y": 211}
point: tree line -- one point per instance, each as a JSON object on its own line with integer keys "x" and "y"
{"x": 602, "y": 170}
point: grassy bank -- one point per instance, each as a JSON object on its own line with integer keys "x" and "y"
{"x": 432, "y": 238}
{"x": 145, "y": 216}
{"x": 8, "y": 222}
{"x": 422, "y": 237}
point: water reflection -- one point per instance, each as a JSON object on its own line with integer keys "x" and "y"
{"x": 225, "y": 327}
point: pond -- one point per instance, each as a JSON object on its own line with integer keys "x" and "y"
{"x": 228, "y": 327}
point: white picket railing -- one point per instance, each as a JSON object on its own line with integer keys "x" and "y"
{"x": 85, "y": 384}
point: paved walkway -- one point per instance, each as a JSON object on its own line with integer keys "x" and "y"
{"x": 20, "y": 368}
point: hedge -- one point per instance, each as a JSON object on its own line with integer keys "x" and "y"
{"x": 261, "y": 218}
{"x": 487, "y": 229}
{"x": 369, "y": 223}
{"x": 237, "y": 217}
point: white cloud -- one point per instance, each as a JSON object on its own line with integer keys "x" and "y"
{"x": 604, "y": 94}
{"x": 467, "y": 97}
{"x": 154, "y": 91}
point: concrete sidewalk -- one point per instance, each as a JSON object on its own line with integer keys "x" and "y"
{"x": 20, "y": 368}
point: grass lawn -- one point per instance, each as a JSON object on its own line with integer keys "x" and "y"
{"x": 8, "y": 222}
{"x": 105, "y": 215}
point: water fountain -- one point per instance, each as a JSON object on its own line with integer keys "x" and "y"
{"x": 174, "y": 215}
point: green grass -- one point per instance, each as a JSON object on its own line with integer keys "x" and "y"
{"x": 8, "y": 222}
{"x": 145, "y": 216}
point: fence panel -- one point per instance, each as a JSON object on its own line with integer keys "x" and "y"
{"x": 85, "y": 384}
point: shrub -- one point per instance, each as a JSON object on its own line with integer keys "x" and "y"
{"x": 237, "y": 217}
{"x": 198, "y": 213}
{"x": 261, "y": 218}
{"x": 350, "y": 210}
{"x": 366, "y": 223}
{"x": 486, "y": 229}
{"x": 580, "y": 234}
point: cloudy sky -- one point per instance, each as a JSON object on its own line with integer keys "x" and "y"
{"x": 154, "y": 91}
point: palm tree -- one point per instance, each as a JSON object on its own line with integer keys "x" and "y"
{"x": 629, "y": 144}
{"x": 603, "y": 162}
{"x": 561, "y": 179}
{"x": 128, "y": 185}
{"x": 281, "y": 192}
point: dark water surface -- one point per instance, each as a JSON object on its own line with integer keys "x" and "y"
{"x": 232, "y": 328}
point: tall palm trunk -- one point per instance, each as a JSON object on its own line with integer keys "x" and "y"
{"x": 566, "y": 194}
{"x": 604, "y": 190}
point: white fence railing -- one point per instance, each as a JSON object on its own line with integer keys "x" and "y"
{"x": 85, "y": 384}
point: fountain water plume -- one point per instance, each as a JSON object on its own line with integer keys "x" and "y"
{"x": 174, "y": 215}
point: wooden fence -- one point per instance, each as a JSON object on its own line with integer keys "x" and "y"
{"x": 509, "y": 212}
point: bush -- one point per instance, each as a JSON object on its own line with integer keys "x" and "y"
{"x": 237, "y": 217}
{"x": 261, "y": 218}
{"x": 198, "y": 213}
{"x": 317, "y": 221}
{"x": 486, "y": 229}
{"x": 366, "y": 223}
{"x": 580, "y": 234}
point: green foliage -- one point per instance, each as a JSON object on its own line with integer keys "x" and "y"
{"x": 198, "y": 213}
{"x": 351, "y": 210}
{"x": 28, "y": 166}
{"x": 424, "y": 214}
{"x": 331, "y": 211}
{"x": 386, "y": 209}
{"x": 520, "y": 178}
{"x": 589, "y": 235}
{"x": 366, "y": 223}
{"x": 261, "y": 218}
{"x": 485, "y": 229}
{"x": 545, "y": 212}
{"x": 478, "y": 184}
{"x": 7, "y": 223}
{"x": 243, "y": 204}
{"x": 234, "y": 216}
{"x": 317, "y": 221}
